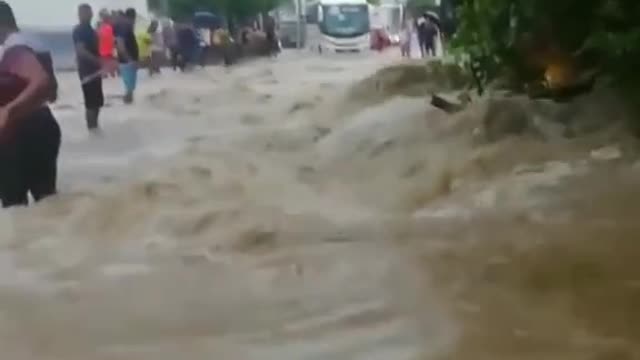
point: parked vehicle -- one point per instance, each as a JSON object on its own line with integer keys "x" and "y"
{"x": 343, "y": 25}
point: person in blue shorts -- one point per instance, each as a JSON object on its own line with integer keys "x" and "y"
{"x": 128, "y": 53}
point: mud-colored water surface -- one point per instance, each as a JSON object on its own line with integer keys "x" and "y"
{"x": 274, "y": 211}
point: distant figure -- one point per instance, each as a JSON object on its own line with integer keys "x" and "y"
{"x": 201, "y": 48}
{"x": 427, "y": 33}
{"x": 406, "y": 35}
{"x": 128, "y": 52}
{"x": 244, "y": 35}
{"x": 107, "y": 41}
{"x": 188, "y": 46}
{"x": 224, "y": 41}
{"x": 157, "y": 48}
{"x": 170, "y": 41}
{"x": 90, "y": 65}
{"x": 29, "y": 133}
{"x": 205, "y": 41}
{"x": 270, "y": 32}
{"x": 143, "y": 39}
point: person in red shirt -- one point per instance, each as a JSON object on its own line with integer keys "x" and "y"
{"x": 29, "y": 134}
{"x": 107, "y": 42}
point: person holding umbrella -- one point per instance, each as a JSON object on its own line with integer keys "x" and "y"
{"x": 438, "y": 49}
{"x": 427, "y": 33}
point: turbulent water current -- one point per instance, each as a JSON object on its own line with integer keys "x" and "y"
{"x": 287, "y": 209}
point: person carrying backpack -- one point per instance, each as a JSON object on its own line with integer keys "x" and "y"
{"x": 29, "y": 133}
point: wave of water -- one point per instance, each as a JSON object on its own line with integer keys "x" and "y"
{"x": 301, "y": 220}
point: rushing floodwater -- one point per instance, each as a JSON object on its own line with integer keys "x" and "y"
{"x": 270, "y": 212}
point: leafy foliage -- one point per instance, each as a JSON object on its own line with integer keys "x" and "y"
{"x": 524, "y": 37}
{"x": 417, "y": 5}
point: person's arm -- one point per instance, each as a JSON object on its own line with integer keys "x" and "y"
{"x": 122, "y": 49}
{"x": 26, "y": 65}
{"x": 85, "y": 54}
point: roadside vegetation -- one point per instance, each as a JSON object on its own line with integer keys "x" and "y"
{"x": 554, "y": 44}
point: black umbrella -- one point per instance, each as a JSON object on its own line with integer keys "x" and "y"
{"x": 205, "y": 19}
{"x": 433, "y": 16}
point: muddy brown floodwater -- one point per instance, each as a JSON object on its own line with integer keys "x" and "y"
{"x": 274, "y": 211}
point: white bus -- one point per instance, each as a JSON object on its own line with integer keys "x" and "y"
{"x": 343, "y": 25}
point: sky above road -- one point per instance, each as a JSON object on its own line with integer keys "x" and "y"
{"x": 44, "y": 12}
{"x": 61, "y": 13}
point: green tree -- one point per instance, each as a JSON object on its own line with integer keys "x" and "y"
{"x": 508, "y": 35}
{"x": 417, "y": 6}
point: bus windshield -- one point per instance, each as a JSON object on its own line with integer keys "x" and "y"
{"x": 345, "y": 20}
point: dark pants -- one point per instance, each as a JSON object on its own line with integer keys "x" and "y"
{"x": 427, "y": 47}
{"x": 227, "y": 54}
{"x": 272, "y": 42}
{"x": 175, "y": 58}
{"x": 93, "y": 101}
{"x": 28, "y": 159}
{"x": 187, "y": 57}
{"x": 430, "y": 48}
{"x": 157, "y": 58}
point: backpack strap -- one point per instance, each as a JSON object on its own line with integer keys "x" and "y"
{"x": 42, "y": 54}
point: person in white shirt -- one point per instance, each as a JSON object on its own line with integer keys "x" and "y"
{"x": 406, "y": 35}
{"x": 157, "y": 48}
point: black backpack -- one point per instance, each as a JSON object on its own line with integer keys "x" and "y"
{"x": 46, "y": 60}
{"x": 44, "y": 57}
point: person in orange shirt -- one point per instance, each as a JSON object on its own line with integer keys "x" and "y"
{"x": 107, "y": 42}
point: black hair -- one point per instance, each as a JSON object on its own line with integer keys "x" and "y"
{"x": 84, "y": 6}
{"x": 130, "y": 13}
{"x": 7, "y": 19}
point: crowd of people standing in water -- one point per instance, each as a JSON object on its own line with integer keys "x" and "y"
{"x": 30, "y": 137}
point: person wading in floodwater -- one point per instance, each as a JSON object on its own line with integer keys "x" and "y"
{"x": 270, "y": 32}
{"x": 128, "y": 53}
{"x": 170, "y": 40}
{"x": 427, "y": 35}
{"x": 157, "y": 48}
{"x": 29, "y": 133}
{"x": 90, "y": 65}
{"x": 107, "y": 42}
